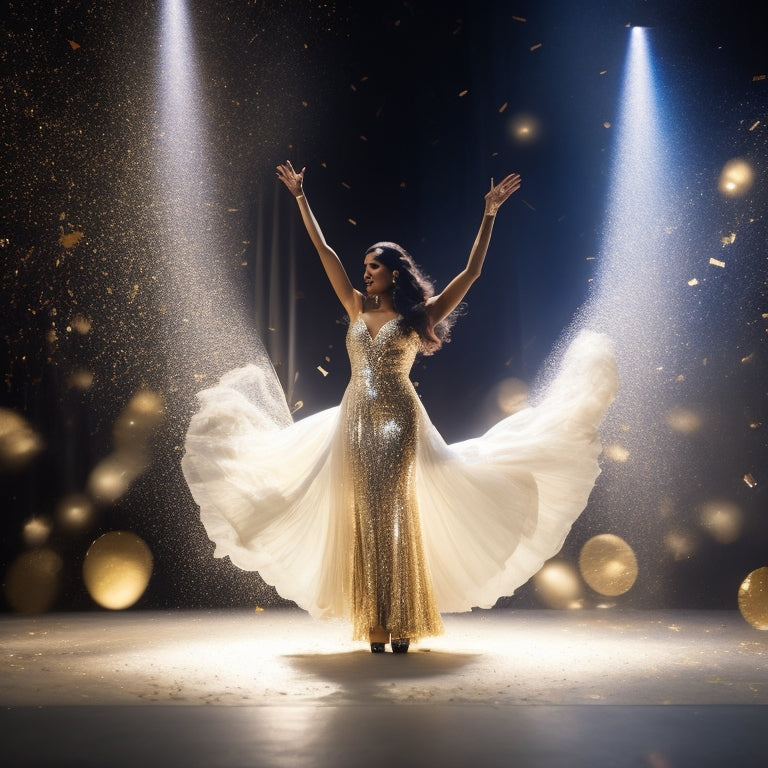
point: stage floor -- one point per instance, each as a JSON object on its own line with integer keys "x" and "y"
{"x": 663, "y": 689}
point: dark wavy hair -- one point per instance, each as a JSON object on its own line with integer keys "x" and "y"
{"x": 411, "y": 290}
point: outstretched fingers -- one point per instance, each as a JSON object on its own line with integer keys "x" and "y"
{"x": 498, "y": 193}
{"x": 509, "y": 185}
{"x": 288, "y": 175}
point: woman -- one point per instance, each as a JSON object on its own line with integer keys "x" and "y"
{"x": 362, "y": 510}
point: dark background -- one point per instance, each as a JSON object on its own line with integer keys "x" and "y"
{"x": 401, "y": 112}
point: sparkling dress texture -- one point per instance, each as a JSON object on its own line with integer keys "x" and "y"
{"x": 362, "y": 511}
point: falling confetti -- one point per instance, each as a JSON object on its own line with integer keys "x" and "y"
{"x": 70, "y": 239}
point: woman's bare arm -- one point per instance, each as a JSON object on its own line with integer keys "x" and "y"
{"x": 444, "y": 303}
{"x": 350, "y": 298}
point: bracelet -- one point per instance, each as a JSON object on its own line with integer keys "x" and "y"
{"x": 299, "y": 196}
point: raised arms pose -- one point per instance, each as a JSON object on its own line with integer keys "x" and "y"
{"x": 362, "y": 510}
{"x": 379, "y": 280}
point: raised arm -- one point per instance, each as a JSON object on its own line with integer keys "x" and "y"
{"x": 444, "y": 303}
{"x": 350, "y": 298}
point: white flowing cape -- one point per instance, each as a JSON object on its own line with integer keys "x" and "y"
{"x": 493, "y": 509}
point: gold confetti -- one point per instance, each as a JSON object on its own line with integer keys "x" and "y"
{"x": 345, "y": 185}
{"x": 503, "y": 107}
{"x": 754, "y": 125}
{"x": 756, "y": 78}
{"x": 520, "y": 19}
{"x": 322, "y": 370}
{"x": 750, "y": 480}
{"x": 693, "y": 281}
{"x": 352, "y": 222}
{"x": 750, "y": 358}
{"x": 463, "y": 93}
{"x": 70, "y": 239}
{"x": 606, "y": 124}
{"x": 534, "y": 47}
{"x": 73, "y": 45}
{"x": 81, "y": 324}
{"x": 716, "y": 263}
{"x": 728, "y": 239}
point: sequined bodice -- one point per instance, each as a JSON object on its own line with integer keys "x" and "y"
{"x": 378, "y": 362}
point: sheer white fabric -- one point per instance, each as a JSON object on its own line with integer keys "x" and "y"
{"x": 493, "y": 508}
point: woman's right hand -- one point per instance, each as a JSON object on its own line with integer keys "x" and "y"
{"x": 294, "y": 181}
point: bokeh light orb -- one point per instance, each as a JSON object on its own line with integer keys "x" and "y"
{"x": 722, "y": 520}
{"x": 608, "y": 564}
{"x": 753, "y": 598}
{"x": 511, "y": 396}
{"x": 75, "y": 510}
{"x": 138, "y": 421}
{"x": 33, "y": 580}
{"x": 558, "y": 585}
{"x": 36, "y": 531}
{"x": 736, "y": 178}
{"x": 523, "y": 129}
{"x": 680, "y": 544}
{"x": 117, "y": 569}
{"x": 146, "y": 406}
{"x": 113, "y": 475}
{"x": 80, "y": 379}
{"x": 683, "y": 420}
{"x": 616, "y": 452}
{"x": 19, "y": 443}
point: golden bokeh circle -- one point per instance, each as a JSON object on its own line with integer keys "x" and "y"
{"x": 19, "y": 443}
{"x": 558, "y": 585}
{"x": 753, "y": 598}
{"x": 117, "y": 569}
{"x": 608, "y": 564}
{"x": 32, "y": 581}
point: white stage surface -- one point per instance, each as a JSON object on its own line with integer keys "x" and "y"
{"x": 664, "y": 689}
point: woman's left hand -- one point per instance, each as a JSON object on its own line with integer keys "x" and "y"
{"x": 498, "y": 194}
{"x": 293, "y": 180}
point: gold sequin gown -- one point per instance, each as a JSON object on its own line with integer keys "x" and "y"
{"x": 362, "y": 511}
{"x": 391, "y": 583}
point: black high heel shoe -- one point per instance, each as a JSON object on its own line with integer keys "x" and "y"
{"x": 401, "y": 645}
{"x": 377, "y": 648}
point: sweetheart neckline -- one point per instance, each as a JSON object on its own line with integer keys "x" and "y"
{"x": 383, "y": 325}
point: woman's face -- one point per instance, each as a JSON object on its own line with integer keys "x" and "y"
{"x": 378, "y": 277}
